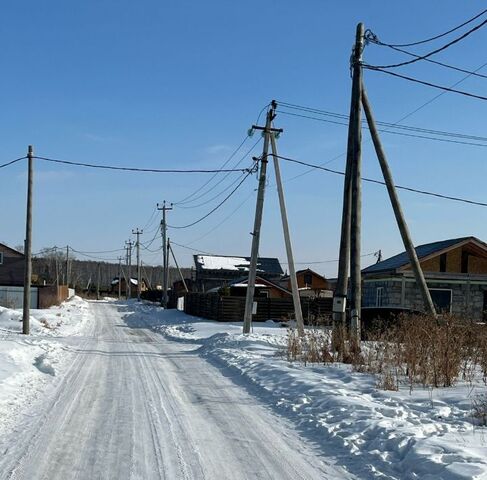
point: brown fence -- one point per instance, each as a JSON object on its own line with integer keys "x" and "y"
{"x": 227, "y": 308}
{"x": 51, "y": 295}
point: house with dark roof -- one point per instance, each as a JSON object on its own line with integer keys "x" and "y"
{"x": 220, "y": 270}
{"x": 455, "y": 272}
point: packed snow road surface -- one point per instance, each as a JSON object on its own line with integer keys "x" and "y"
{"x": 134, "y": 405}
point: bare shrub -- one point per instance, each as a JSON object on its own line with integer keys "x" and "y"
{"x": 479, "y": 409}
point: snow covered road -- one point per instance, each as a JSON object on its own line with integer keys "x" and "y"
{"x": 134, "y": 405}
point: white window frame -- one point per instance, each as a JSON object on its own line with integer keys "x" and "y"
{"x": 379, "y": 296}
{"x": 1, "y": 258}
{"x": 445, "y": 290}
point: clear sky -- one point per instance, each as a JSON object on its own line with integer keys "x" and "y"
{"x": 177, "y": 84}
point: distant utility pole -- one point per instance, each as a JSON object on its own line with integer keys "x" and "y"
{"x": 165, "y": 269}
{"x": 138, "y": 233}
{"x": 67, "y": 265}
{"x": 128, "y": 283}
{"x": 119, "y": 278}
{"x": 249, "y": 300}
{"x": 177, "y": 265}
{"x": 28, "y": 245}
{"x": 287, "y": 239}
{"x": 98, "y": 274}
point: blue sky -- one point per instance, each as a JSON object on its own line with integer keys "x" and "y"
{"x": 177, "y": 84}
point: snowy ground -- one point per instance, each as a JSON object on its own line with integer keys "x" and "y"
{"x": 117, "y": 390}
{"x": 135, "y": 405}
{"x": 29, "y": 364}
{"x": 427, "y": 434}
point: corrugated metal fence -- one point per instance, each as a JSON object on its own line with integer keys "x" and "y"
{"x": 12, "y": 297}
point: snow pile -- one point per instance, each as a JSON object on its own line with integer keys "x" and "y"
{"x": 28, "y": 363}
{"x": 427, "y": 434}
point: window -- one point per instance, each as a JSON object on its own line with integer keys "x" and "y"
{"x": 443, "y": 262}
{"x": 379, "y": 293}
{"x": 308, "y": 279}
{"x": 1, "y": 258}
{"x": 442, "y": 299}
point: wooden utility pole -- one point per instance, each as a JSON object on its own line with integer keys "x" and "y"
{"x": 356, "y": 187}
{"x": 67, "y": 265}
{"x": 396, "y": 206}
{"x": 28, "y": 245}
{"x": 287, "y": 239}
{"x": 98, "y": 273}
{"x": 257, "y": 222}
{"x": 138, "y": 233}
{"x": 165, "y": 269}
{"x": 119, "y": 278}
{"x": 128, "y": 283}
{"x": 177, "y": 265}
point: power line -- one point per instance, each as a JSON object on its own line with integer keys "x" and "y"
{"x": 423, "y": 82}
{"x": 403, "y": 134}
{"x": 436, "y": 37}
{"x": 211, "y": 178}
{"x": 327, "y": 261}
{"x": 379, "y": 182}
{"x": 214, "y": 209}
{"x": 136, "y": 169}
{"x": 219, "y": 194}
{"x": 382, "y": 123}
{"x": 222, "y": 179}
{"x": 373, "y": 38}
{"x": 13, "y": 161}
{"x": 192, "y": 249}
{"x": 225, "y": 219}
{"x": 435, "y": 62}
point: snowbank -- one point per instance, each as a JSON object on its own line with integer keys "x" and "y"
{"x": 427, "y": 434}
{"x": 29, "y": 363}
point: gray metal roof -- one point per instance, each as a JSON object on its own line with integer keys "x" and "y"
{"x": 265, "y": 265}
{"x": 422, "y": 251}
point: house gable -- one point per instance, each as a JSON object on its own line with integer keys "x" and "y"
{"x": 430, "y": 254}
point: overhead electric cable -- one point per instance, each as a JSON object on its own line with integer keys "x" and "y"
{"x": 436, "y": 37}
{"x": 214, "y": 209}
{"x": 379, "y": 182}
{"x": 222, "y": 179}
{"x": 429, "y": 60}
{"x": 136, "y": 169}
{"x": 12, "y": 162}
{"x": 373, "y": 38}
{"x": 423, "y": 82}
{"x": 403, "y": 134}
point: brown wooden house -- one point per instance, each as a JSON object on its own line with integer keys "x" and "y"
{"x": 264, "y": 288}
{"x": 12, "y": 266}
{"x": 310, "y": 283}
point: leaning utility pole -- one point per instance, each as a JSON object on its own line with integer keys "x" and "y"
{"x": 249, "y": 300}
{"x": 28, "y": 245}
{"x": 287, "y": 239}
{"x": 128, "y": 283}
{"x": 138, "y": 233}
{"x": 165, "y": 269}
{"x": 119, "y": 278}
{"x": 177, "y": 265}
{"x": 396, "y": 206}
